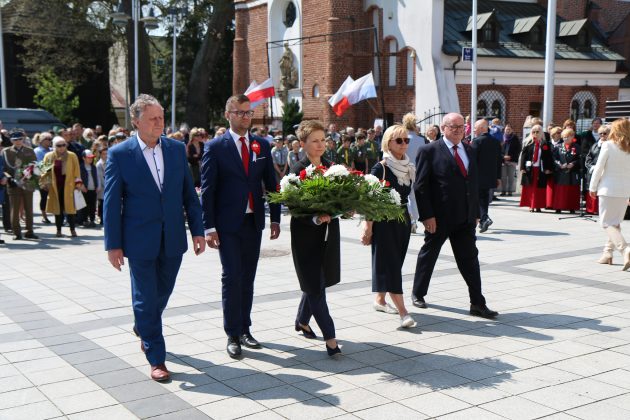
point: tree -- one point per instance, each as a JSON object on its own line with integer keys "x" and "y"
{"x": 56, "y": 96}
{"x": 291, "y": 116}
{"x": 205, "y": 75}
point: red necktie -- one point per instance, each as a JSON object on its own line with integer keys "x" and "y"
{"x": 245, "y": 157}
{"x": 460, "y": 162}
{"x": 536, "y": 147}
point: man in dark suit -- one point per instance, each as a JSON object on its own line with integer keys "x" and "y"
{"x": 488, "y": 150}
{"x": 233, "y": 169}
{"x": 446, "y": 191}
{"x": 148, "y": 185}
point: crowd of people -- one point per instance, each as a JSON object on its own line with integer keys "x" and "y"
{"x": 446, "y": 176}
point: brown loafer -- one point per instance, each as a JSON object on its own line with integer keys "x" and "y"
{"x": 159, "y": 373}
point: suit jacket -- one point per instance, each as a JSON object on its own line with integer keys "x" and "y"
{"x": 610, "y": 176}
{"x": 14, "y": 159}
{"x": 588, "y": 140}
{"x": 546, "y": 161}
{"x": 489, "y": 160}
{"x": 138, "y": 217}
{"x": 512, "y": 148}
{"x": 440, "y": 188}
{"x": 225, "y": 187}
{"x": 317, "y": 260}
{"x": 563, "y": 156}
{"x": 590, "y": 161}
{"x": 2, "y": 187}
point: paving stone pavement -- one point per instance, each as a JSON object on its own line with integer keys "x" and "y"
{"x": 560, "y": 348}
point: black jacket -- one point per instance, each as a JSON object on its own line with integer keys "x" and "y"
{"x": 489, "y": 160}
{"x": 562, "y": 155}
{"x": 546, "y": 159}
{"x": 317, "y": 260}
{"x": 441, "y": 189}
{"x": 512, "y": 148}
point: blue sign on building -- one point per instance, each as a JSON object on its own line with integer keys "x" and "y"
{"x": 467, "y": 54}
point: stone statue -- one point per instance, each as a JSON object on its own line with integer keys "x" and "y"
{"x": 288, "y": 72}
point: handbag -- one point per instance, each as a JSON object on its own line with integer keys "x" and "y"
{"x": 79, "y": 200}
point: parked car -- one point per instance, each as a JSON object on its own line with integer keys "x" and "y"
{"x": 31, "y": 120}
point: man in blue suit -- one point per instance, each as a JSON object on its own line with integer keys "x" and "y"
{"x": 148, "y": 186}
{"x": 234, "y": 167}
{"x": 447, "y": 194}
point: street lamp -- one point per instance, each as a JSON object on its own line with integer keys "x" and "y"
{"x": 120, "y": 18}
{"x": 3, "y": 80}
{"x": 174, "y": 19}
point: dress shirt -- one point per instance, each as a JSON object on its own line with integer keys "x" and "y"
{"x": 461, "y": 151}
{"x": 155, "y": 161}
{"x": 237, "y": 143}
{"x": 91, "y": 184}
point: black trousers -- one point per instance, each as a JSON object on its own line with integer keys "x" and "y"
{"x": 99, "y": 210}
{"x": 463, "y": 243}
{"x": 59, "y": 217}
{"x": 316, "y": 306}
{"x": 89, "y": 211}
{"x": 43, "y": 198}
{"x": 485, "y": 196}
{"x": 6, "y": 212}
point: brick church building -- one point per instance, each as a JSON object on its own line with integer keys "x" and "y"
{"x": 413, "y": 49}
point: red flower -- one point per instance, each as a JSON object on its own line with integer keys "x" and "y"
{"x": 545, "y": 147}
{"x": 256, "y": 147}
{"x": 387, "y": 184}
{"x": 302, "y": 174}
{"x": 574, "y": 140}
{"x": 278, "y": 188}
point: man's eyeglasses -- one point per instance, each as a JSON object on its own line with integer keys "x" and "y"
{"x": 61, "y": 145}
{"x": 455, "y": 127}
{"x": 400, "y": 140}
{"x": 243, "y": 114}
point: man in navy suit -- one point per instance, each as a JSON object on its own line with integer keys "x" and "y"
{"x": 234, "y": 167}
{"x": 446, "y": 189}
{"x": 489, "y": 159}
{"x": 148, "y": 186}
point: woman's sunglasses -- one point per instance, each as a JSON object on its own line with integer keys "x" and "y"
{"x": 400, "y": 140}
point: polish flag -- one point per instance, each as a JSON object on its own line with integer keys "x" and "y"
{"x": 351, "y": 92}
{"x": 257, "y": 93}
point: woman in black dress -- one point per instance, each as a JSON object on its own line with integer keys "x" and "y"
{"x": 315, "y": 247}
{"x": 194, "y": 152}
{"x": 390, "y": 239}
{"x": 536, "y": 166}
{"x": 567, "y": 169}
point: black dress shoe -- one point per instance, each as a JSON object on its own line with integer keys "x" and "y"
{"x": 250, "y": 342}
{"x": 1, "y": 241}
{"x": 234, "y": 347}
{"x": 17, "y": 238}
{"x": 30, "y": 235}
{"x": 308, "y": 333}
{"x": 419, "y": 302}
{"x": 331, "y": 352}
{"x": 483, "y": 311}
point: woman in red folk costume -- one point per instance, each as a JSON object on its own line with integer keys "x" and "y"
{"x": 536, "y": 166}
{"x": 566, "y": 158}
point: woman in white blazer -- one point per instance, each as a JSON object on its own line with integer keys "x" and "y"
{"x": 611, "y": 183}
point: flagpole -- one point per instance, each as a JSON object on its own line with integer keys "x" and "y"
{"x": 380, "y": 76}
{"x": 473, "y": 80}
{"x": 269, "y": 73}
{"x": 550, "y": 63}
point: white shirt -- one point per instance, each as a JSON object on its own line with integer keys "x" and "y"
{"x": 155, "y": 161}
{"x": 237, "y": 142}
{"x": 461, "y": 151}
{"x": 91, "y": 185}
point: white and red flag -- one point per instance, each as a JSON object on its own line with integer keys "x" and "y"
{"x": 257, "y": 93}
{"x": 351, "y": 92}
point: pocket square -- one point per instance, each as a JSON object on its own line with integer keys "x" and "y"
{"x": 261, "y": 157}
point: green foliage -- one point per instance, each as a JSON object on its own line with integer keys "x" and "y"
{"x": 291, "y": 115}
{"x": 337, "y": 196}
{"x": 55, "y": 95}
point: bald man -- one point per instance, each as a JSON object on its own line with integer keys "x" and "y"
{"x": 489, "y": 160}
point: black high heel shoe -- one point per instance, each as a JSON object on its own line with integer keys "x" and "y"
{"x": 307, "y": 333}
{"x": 332, "y": 352}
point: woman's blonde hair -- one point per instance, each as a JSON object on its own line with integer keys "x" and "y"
{"x": 556, "y": 130}
{"x": 394, "y": 131}
{"x": 308, "y": 127}
{"x": 409, "y": 121}
{"x": 620, "y": 134}
{"x": 568, "y": 133}
{"x": 604, "y": 128}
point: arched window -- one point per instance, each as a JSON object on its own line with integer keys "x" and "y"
{"x": 482, "y": 109}
{"x": 315, "y": 90}
{"x": 588, "y": 109}
{"x": 496, "y": 109}
{"x": 488, "y": 32}
{"x": 289, "y": 15}
{"x": 537, "y": 35}
{"x": 411, "y": 65}
{"x": 575, "y": 110}
{"x": 393, "y": 49}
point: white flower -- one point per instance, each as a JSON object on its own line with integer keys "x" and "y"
{"x": 37, "y": 171}
{"x": 336, "y": 171}
{"x": 309, "y": 170}
{"x": 372, "y": 180}
{"x": 288, "y": 182}
{"x": 395, "y": 196}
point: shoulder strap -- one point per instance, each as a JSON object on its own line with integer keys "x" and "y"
{"x": 384, "y": 166}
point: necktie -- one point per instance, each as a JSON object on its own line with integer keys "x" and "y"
{"x": 460, "y": 162}
{"x": 536, "y": 147}
{"x": 245, "y": 157}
